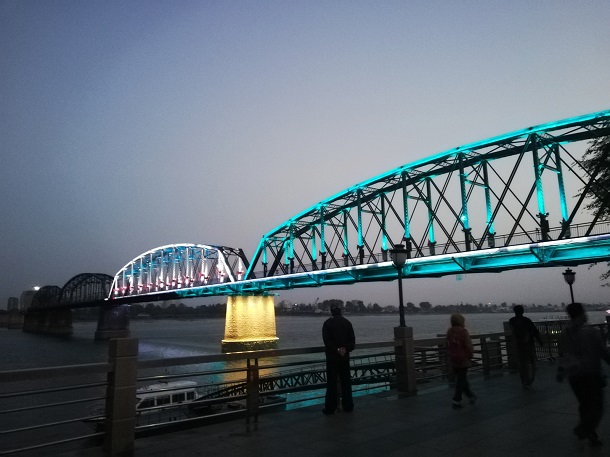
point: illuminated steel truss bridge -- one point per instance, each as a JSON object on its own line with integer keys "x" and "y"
{"x": 179, "y": 267}
{"x": 513, "y": 201}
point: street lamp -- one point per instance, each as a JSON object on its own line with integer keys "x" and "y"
{"x": 399, "y": 256}
{"x": 570, "y": 276}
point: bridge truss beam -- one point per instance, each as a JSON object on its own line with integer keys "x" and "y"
{"x": 512, "y": 201}
{"x": 451, "y": 203}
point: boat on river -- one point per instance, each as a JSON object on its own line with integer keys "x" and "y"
{"x": 165, "y": 395}
{"x": 170, "y": 401}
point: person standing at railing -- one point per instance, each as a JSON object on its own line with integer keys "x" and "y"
{"x": 581, "y": 350}
{"x": 339, "y": 340}
{"x": 459, "y": 353}
{"x": 525, "y": 333}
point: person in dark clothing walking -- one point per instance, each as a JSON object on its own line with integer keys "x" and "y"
{"x": 581, "y": 350}
{"x": 339, "y": 340}
{"x": 525, "y": 334}
{"x": 459, "y": 353}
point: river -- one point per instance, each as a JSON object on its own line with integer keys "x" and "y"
{"x": 166, "y": 338}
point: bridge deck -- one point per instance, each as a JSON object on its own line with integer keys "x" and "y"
{"x": 507, "y": 421}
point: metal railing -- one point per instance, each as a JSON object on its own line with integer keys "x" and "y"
{"x": 49, "y": 406}
{"x": 43, "y": 409}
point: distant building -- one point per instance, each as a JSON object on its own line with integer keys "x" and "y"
{"x": 26, "y": 299}
{"x": 13, "y": 304}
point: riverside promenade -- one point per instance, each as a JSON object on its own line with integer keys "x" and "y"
{"x": 506, "y": 421}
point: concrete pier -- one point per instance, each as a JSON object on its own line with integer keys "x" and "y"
{"x": 52, "y": 322}
{"x": 113, "y": 322}
{"x": 250, "y": 323}
{"x": 11, "y": 320}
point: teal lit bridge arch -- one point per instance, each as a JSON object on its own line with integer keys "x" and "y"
{"x": 512, "y": 201}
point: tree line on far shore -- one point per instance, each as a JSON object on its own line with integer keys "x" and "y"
{"x": 180, "y": 310}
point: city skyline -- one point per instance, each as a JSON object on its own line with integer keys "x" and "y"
{"x": 127, "y": 127}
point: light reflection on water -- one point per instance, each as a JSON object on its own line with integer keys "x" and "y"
{"x": 170, "y": 338}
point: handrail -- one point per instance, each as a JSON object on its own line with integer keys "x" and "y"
{"x": 429, "y": 355}
{"x": 58, "y": 371}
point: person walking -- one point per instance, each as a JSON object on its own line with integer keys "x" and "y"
{"x": 525, "y": 333}
{"x": 459, "y": 353}
{"x": 581, "y": 350}
{"x": 339, "y": 341}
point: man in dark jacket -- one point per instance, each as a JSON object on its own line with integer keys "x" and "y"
{"x": 339, "y": 340}
{"x": 524, "y": 334}
{"x": 581, "y": 350}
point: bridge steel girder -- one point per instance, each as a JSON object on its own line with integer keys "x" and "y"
{"x": 85, "y": 287}
{"x": 570, "y": 252}
{"x": 483, "y": 207}
{"x": 446, "y": 213}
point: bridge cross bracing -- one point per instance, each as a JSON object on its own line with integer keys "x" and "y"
{"x": 512, "y": 201}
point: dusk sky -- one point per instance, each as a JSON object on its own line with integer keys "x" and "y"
{"x": 129, "y": 125}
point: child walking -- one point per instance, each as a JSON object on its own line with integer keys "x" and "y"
{"x": 459, "y": 352}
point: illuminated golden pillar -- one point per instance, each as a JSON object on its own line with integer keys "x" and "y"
{"x": 250, "y": 323}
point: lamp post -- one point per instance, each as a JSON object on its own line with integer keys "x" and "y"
{"x": 570, "y": 276}
{"x": 399, "y": 257}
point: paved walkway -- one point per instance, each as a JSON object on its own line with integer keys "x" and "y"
{"x": 507, "y": 421}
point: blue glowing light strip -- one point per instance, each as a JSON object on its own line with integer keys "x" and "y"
{"x": 572, "y": 251}
{"x": 599, "y": 116}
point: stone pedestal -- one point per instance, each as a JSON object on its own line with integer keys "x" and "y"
{"x": 120, "y": 419}
{"x": 405, "y": 360}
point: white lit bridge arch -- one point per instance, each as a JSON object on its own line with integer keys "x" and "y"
{"x": 179, "y": 266}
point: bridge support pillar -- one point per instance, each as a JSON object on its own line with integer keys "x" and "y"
{"x": 52, "y": 322}
{"x": 113, "y": 322}
{"x": 250, "y": 323}
{"x": 15, "y": 320}
{"x": 30, "y": 322}
{"x": 405, "y": 360}
{"x": 60, "y": 322}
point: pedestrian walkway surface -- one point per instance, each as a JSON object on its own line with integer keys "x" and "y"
{"x": 506, "y": 421}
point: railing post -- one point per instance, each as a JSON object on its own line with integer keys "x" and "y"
{"x": 424, "y": 362}
{"x": 494, "y": 348}
{"x": 511, "y": 354}
{"x": 252, "y": 393}
{"x": 484, "y": 356}
{"x": 121, "y": 397}
{"x": 444, "y": 361}
{"x": 547, "y": 336}
{"x": 405, "y": 359}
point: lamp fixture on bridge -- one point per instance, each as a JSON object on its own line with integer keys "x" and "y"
{"x": 399, "y": 256}
{"x": 570, "y": 276}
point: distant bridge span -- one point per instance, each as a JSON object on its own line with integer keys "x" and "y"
{"x": 512, "y": 201}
